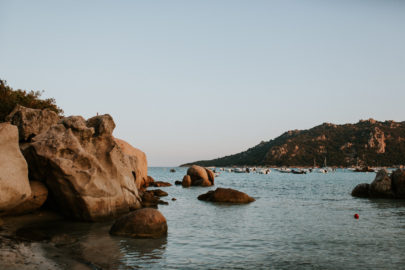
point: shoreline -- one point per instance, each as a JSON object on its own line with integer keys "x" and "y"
{"x": 22, "y": 247}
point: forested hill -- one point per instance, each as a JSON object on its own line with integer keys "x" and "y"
{"x": 368, "y": 142}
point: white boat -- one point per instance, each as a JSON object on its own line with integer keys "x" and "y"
{"x": 239, "y": 170}
{"x": 265, "y": 171}
{"x": 283, "y": 170}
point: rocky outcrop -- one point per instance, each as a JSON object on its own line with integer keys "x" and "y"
{"x": 377, "y": 140}
{"x": 88, "y": 173}
{"x": 39, "y": 194}
{"x": 14, "y": 184}
{"x": 142, "y": 223}
{"x": 31, "y": 122}
{"x": 383, "y": 186}
{"x": 138, "y": 163}
{"x": 226, "y": 195}
{"x": 200, "y": 176}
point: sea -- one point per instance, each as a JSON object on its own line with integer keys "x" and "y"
{"x": 298, "y": 221}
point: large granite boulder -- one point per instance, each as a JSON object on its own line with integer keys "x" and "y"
{"x": 39, "y": 194}
{"x": 398, "y": 183}
{"x": 226, "y": 195}
{"x": 142, "y": 223}
{"x": 186, "y": 181}
{"x": 200, "y": 176}
{"x": 14, "y": 184}
{"x": 361, "y": 190}
{"x": 31, "y": 122}
{"x": 87, "y": 173}
{"x": 139, "y": 163}
{"x": 381, "y": 186}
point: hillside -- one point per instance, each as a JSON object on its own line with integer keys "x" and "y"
{"x": 368, "y": 142}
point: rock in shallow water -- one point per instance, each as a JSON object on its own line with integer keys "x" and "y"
{"x": 186, "y": 181}
{"x": 142, "y": 223}
{"x": 160, "y": 184}
{"x": 361, "y": 190}
{"x": 200, "y": 176}
{"x": 159, "y": 193}
{"x": 226, "y": 195}
{"x": 383, "y": 186}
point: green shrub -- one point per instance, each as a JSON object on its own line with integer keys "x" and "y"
{"x": 9, "y": 98}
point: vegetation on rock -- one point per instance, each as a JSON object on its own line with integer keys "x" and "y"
{"x": 9, "y": 98}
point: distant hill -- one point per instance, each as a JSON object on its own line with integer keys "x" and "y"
{"x": 368, "y": 142}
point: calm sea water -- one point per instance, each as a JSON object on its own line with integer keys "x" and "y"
{"x": 296, "y": 222}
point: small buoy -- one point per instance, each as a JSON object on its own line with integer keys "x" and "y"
{"x": 356, "y": 216}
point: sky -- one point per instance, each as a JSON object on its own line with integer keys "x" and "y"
{"x": 195, "y": 80}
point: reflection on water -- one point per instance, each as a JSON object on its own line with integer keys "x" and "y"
{"x": 150, "y": 250}
{"x": 92, "y": 245}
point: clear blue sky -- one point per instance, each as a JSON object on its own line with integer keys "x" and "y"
{"x": 191, "y": 80}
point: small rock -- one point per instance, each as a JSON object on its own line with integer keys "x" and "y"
{"x": 159, "y": 193}
{"x": 174, "y": 199}
{"x": 160, "y": 184}
{"x": 149, "y": 199}
{"x": 163, "y": 202}
{"x": 227, "y": 195}
{"x": 142, "y": 223}
{"x": 177, "y": 183}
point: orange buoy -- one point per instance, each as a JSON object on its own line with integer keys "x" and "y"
{"x": 356, "y": 216}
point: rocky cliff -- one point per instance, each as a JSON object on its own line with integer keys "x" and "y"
{"x": 368, "y": 142}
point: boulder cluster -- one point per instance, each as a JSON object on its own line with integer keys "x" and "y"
{"x": 384, "y": 186}
{"x": 198, "y": 176}
{"x": 74, "y": 165}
